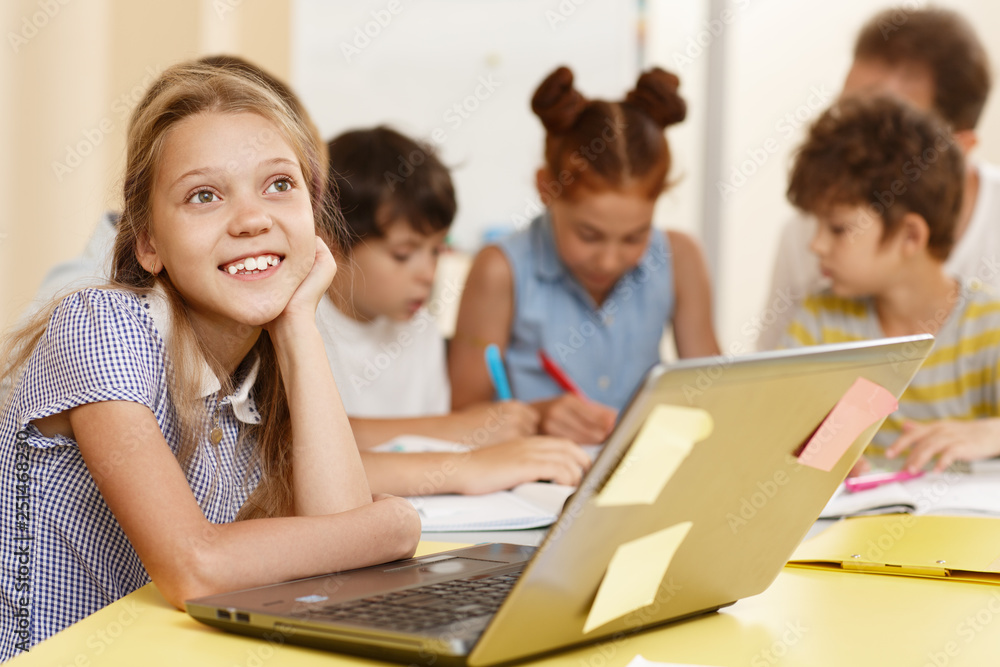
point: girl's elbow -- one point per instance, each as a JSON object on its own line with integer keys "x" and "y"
{"x": 406, "y": 533}
{"x": 190, "y": 575}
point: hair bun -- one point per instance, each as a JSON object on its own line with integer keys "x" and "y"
{"x": 556, "y": 102}
{"x": 655, "y": 93}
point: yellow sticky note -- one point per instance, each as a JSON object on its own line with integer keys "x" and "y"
{"x": 663, "y": 442}
{"x": 635, "y": 574}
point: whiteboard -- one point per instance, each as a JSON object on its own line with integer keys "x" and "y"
{"x": 460, "y": 75}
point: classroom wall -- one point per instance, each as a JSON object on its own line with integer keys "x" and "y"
{"x": 72, "y": 72}
{"x": 63, "y": 139}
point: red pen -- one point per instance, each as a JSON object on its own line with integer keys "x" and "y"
{"x": 559, "y": 375}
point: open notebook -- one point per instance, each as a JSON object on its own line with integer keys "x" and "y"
{"x": 952, "y": 493}
{"x": 531, "y": 505}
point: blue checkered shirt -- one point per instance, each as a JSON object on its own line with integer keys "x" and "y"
{"x": 64, "y": 554}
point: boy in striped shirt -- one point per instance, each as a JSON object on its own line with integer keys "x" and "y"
{"x": 884, "y": 181}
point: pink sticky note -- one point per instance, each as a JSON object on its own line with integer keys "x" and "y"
{"x": 861, "y": 406}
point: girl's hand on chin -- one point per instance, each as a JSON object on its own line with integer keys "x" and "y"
{"x": 306, "y": 297}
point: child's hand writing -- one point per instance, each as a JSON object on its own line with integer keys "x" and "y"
{"x": 514, "y": 462}
{"x": 947, "y": 440}
{"x": 582, "y": 421}
{"x": 492, "y": 423}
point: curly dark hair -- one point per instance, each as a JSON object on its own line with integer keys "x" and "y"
{"x": 887, "y": 156}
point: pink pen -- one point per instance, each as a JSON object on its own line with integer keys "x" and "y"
{"x": 871, "y": 481}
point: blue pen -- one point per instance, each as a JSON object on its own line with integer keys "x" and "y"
{"x": 494, "y": 364}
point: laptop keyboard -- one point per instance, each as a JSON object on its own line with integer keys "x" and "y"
{"x": 424, "y": 607}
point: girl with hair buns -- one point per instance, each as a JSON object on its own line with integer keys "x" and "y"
{"x": 175, "y": 425}
{"x": 590, "y": 282}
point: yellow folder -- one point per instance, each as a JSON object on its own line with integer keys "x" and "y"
{"x": 963, "y": 548}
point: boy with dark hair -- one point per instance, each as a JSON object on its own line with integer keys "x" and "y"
{"x": 387, "y": 354}
{"x": 884, "y": 181}
{"x": 932, "y": 59}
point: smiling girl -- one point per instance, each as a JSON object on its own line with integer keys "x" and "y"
{"x": 590, "y": 282}
{"x": 175, "y": 426}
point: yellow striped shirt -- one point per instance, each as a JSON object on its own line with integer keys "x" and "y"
{"x": 959, "y": 380}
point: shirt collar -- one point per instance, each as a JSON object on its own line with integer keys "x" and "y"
{"x": 244, "y": 407}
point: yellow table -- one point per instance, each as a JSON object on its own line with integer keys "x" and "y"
{"x": 806, "y": 617}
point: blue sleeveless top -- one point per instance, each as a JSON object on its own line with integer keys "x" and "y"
{"x": 604, "y": 349}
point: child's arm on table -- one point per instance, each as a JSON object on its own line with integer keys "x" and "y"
{"x": 475, "y": 425}
{"x": 483, "y": 470}
{"x": 948, "y": 440}
{"x": 185, "y": 554}
{"x": 337, "y": 525}
{"x": 694, "y": 333}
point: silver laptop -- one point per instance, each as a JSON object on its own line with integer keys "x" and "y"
{"x": 742, "y": 496}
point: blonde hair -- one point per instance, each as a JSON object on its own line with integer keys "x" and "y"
{"x": 182, "y": 91}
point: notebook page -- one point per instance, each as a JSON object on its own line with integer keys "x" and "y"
{"x": 885, "y": 499}
{"x": 503, "y": 510}
{"x": 976, "y": 494}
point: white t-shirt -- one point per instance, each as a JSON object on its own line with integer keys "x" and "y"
{"x": 796, "y": 270}
{"x": 386, "y": 369}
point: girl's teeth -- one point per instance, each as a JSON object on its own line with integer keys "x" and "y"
{"x": 254, "y": 264}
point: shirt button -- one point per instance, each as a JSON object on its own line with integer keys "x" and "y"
{"x": 604, "y": 382}
{"x": 609, "y": 320}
